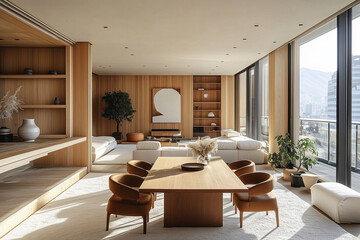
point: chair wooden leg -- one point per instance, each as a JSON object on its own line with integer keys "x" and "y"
{"x": 241, "y": 218}
{"x": 144, "y": 224}
{"x": 155, "y": 196}
{"x": 235, "y": 210}
{"x": 231, "y": 197}
{"x": 277, "y": 217}
{"x": 147, "y": 217}
{"x": 267, "y": 212}
{"x": 107, "y": 221}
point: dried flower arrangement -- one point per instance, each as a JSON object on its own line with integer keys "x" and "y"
{"x": 203, "y": 147}
{"x": 9, "y": 104}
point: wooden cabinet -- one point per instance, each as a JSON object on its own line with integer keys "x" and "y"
{"x": 207, "y": 105}
{"x": 40, "y": 89}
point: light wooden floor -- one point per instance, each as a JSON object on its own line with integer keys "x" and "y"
{"x": 26, "y": 191}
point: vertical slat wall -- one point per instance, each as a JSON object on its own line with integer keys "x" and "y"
{"x": 278, "y": 95}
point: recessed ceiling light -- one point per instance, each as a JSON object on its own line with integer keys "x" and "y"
{"x": 165, "y": 66}
{"x": 188, "y": 65}
{"x": 109, "y": 66}
{"x": 259, "y": 53}
{"x": 274, "y": 41}
{"x": 222, "y": 61}
{"x": 227, "y": 54}
{"x": 244, "y": 39}
{"x": 234, "y": 47}
{"x": 126, "y": 47}
{"x": 144, "y": 65}
{"x": 256, "y": 25}
{"x": 16, "y": 39}
{"x": 216, "y": 66}
{"x": 300, "y": 24}
{"x": 106, "y": 27}
{"x": 131, "y": 54}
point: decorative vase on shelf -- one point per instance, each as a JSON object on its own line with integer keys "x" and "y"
{"x": 204, "y": 159}
{"x": 57, "y": 101}
{"x": 28, "y": 131}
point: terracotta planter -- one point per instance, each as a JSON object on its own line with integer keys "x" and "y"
{"x": 135, "y": 137}
{"x": 309, "y": 180}
{"x": 286, "y": 174}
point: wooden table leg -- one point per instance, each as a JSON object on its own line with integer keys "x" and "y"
{"x": 187, "y": 209}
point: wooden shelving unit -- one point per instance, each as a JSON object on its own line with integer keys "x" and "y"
{"x": 206, "y": 99}
{"x": 40, "y": 89}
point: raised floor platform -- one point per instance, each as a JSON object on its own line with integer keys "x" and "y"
{"x": 26, "y": 191}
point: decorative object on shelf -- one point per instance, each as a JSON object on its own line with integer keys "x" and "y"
{"x": 52, "y": 72}
{"x": 203, "y": 148}
{"x": 211, "y": 115}
{"x": 28, "y": 71}
{"x": 196, "y": 107}
{"x": 9, "y": 104}
{"x": 309, "y": 180}
{"x": 28, "y": 131}
{"x": 192, "y": 167}
{"x": 57, "y": 101}
{"x": 166, "y": 107}
{"x": 118, "y": 108}
{"x": 206, "y": 95}
{"x": 201, "y": 89}
{"x": 212, "y": 124}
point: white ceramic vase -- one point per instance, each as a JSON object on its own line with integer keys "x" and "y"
{"x": 309, "y": 180}
{"x": 28, "y": 131}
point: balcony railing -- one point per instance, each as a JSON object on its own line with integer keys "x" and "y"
{"x": 323, "y": 134}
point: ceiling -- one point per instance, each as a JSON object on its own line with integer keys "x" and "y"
{"x": 195, "y": 37}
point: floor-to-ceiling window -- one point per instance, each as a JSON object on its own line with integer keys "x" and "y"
{"x": 252, "y": 100}
{"x": 317, "y": 103}
{"x": 240, "y": 98}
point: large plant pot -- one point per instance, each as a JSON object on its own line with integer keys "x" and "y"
{"x": 309, "y": 180}
{"x": 296, "y": 180}
{"x": 135, "y": 137}
{"x": 286, "y": 174}
{"x": 117, "y": 135}
{"x": 28, "y": 131}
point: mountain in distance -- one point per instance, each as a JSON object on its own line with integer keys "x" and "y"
{"x": 313, "y": 85}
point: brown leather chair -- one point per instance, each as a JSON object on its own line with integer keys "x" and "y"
{"x": 241, "y": 167}
{"x": 126, "y": 199}
{"x": 138, "y": 167}
{"x": 259, "y": 197}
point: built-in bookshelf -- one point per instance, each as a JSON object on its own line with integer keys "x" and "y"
{"x": 206, "y": 99}
{"x": 39, "y": 89}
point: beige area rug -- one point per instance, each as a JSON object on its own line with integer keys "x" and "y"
{"x": 79, "y": 213}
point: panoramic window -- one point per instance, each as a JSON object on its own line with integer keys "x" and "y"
{"x": 241, "y": 102}
{"x": 317, "y": 103}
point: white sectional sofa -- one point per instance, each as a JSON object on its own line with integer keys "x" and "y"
{"x": 229, "y": 149}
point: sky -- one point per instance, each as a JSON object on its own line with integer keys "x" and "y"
{"x": 321, "y": 53}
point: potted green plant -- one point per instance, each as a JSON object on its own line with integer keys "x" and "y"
{"x": 118, "y": 108}
{"x": 285, "y": 156}
{"x": 305, "y": 150}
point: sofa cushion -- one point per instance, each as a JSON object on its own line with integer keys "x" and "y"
{"x": 229, "y": 133}
{"x": 148, "y": 145}
{"x": 245, "y": 143}
{"x": 226, "y": 145}
{"x": 175, "y": 152}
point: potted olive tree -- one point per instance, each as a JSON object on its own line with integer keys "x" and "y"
{"x": 305, "y": 150}
{"x": 285, "y": 156}
{"x": 118, "y": 108}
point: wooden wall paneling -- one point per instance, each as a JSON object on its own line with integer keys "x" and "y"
{"x": 82, "y": 106}
{"x": 278, "y": 95}
{"x": 95, "y": 102}
{"x": 69, "y": 91}
{"x": 140, "y": 89}
{"x": 227, "y": 102}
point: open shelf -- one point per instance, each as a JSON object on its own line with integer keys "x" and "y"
{"x": 42, "y": 106}
{"x": 208, "y": 126}
{"x": 207, "y": 118}
{"x": 34, "y": 76}
{"x": 205, "y": 102}
{"x": 206, "y": 110}
{"x": 206, "y": 83}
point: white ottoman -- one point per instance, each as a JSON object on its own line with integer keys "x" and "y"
{"x": 339, "y": 202}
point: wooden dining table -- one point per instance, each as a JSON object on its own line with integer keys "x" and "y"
{"x": 192, "y": 198}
